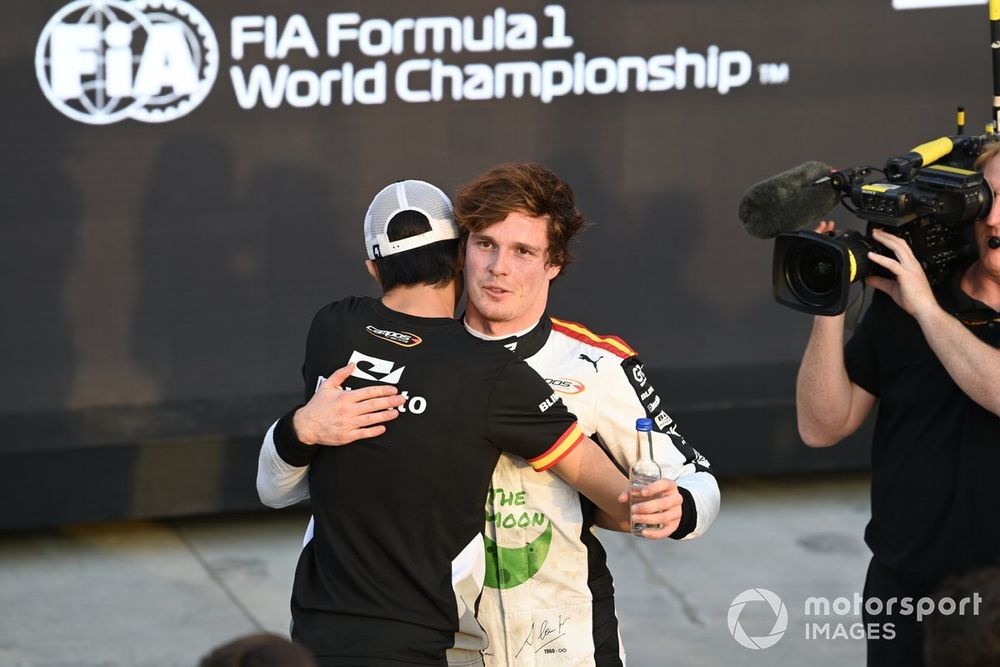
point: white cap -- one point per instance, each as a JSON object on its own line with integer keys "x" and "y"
{"x": 408, "y": 196}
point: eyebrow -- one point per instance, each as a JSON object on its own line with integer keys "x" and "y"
{"x": 479, "y": 236}
{"x": 527, "y": 246}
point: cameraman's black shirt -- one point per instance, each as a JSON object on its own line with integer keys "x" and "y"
{"x": 935, "y": 452}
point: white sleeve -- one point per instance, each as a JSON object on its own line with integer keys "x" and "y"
{"x": 704, "y": 491}
{"x": 279, "y": 484}
{"x": 630, "y": 395}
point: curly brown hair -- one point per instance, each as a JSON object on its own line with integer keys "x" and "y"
{"x": 527, "y": 188}
{"x": 989, "y": 151}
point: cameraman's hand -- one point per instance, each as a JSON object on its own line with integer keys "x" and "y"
{"x": 910, "y": 290}
{"x": 826, "y": 227}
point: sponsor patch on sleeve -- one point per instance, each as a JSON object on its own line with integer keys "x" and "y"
{"x": 649, "y": 399}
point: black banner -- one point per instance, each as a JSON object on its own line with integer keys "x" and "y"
{"x": 184, "y": 183}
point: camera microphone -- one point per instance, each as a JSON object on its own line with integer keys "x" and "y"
{"x": 993, "y": 242}
{"x": 793, "y": 199}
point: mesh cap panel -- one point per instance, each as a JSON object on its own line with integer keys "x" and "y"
{"x": 408, "y": 196}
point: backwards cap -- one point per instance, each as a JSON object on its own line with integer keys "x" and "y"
{"x": 408, "y": 196}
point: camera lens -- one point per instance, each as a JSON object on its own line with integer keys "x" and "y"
{"x": 813, "y": 275}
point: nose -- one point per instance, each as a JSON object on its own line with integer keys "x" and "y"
{"x": 498, "y": 263}
{"x": 993, "y": 219}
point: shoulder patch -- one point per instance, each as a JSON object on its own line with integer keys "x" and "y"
{"x": 612, "y": 344}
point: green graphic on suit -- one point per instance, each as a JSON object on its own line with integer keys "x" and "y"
{"x": 507, "y": 567}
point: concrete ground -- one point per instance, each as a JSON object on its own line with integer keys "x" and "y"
{"x": 164, "y": 593}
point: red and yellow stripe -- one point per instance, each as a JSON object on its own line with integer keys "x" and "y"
{"x": 566, "y": 443}
{"x": 612, "y": 344}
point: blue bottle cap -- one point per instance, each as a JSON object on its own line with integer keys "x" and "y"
{"x": 644, "y": 424}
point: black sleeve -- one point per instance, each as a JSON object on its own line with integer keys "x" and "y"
{"x": 527, "y": 419}
{"x": 286, "y": 442}
{"x": 689, "y": 516}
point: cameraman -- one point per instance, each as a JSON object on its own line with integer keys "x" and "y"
{"x": 930, "y": 358}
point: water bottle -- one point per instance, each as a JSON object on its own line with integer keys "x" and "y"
{"x": 644, "y": 470}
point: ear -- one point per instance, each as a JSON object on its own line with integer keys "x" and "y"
{"x": 373, "y": 271}
{"x": 552, "y": 270}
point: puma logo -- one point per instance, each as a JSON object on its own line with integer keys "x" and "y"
{"x": 592, "y": 361}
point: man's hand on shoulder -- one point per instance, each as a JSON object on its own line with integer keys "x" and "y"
{"x": 336, "y": 416}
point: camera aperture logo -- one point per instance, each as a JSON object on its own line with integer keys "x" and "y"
{"x": 780, "y": 618}
{"x": 102, "y": 61}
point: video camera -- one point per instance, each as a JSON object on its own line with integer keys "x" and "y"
{"x": 928, "y": 197}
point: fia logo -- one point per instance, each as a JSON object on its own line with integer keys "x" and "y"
{"x": 102, "y": 61}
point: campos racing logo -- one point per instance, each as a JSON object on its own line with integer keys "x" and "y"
{"x": 403, "y": 339}
{"x": 566, "y": 385}
{"x": 101, "y": 61}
